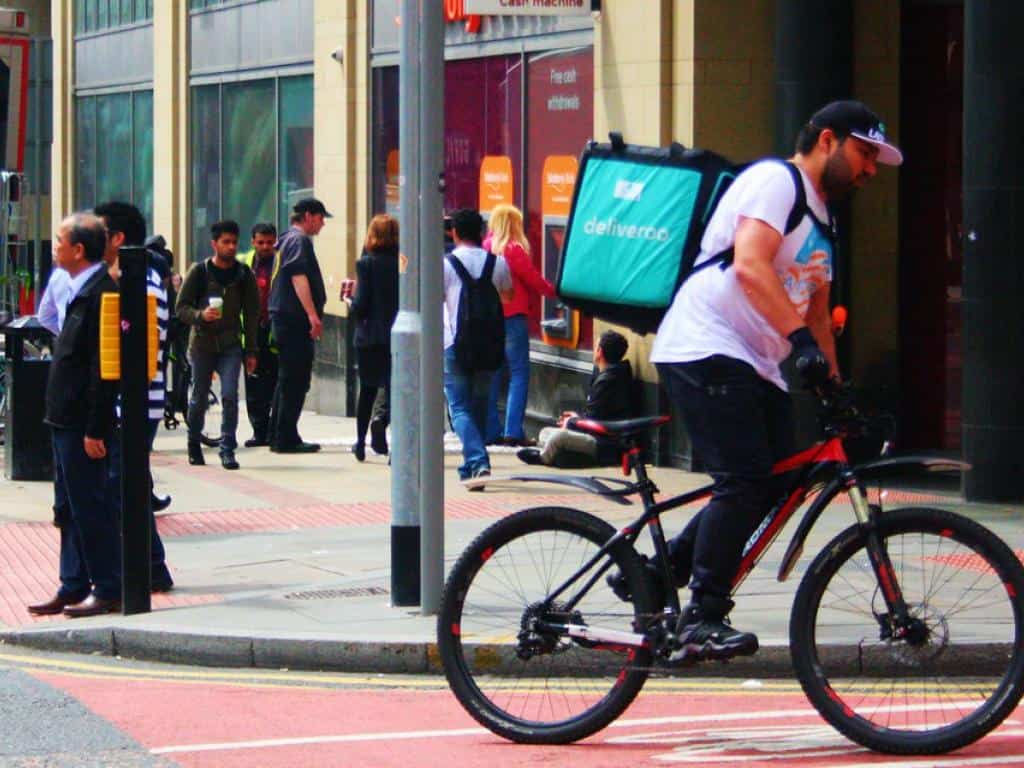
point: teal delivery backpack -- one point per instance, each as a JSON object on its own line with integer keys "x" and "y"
{"x": 635, "y": 226}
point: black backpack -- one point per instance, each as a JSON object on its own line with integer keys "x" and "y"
{"x": 480, "y": 323}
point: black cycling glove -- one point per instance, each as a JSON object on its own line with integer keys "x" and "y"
{"x": 810, "y": 360}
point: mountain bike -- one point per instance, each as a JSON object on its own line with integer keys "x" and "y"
{"x": 905, "y": 633}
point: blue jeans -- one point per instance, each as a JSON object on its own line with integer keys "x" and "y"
{"x": 467, "y": 406}
{"x": 90, "y": 542}
{"x": 517, "y": 360}
{"x": 228, "y": 365}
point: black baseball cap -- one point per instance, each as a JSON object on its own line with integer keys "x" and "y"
{"x": 311, "y": 205}
{"x": 853, "y": 118}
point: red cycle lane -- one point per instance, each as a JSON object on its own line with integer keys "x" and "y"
{"x": 197, "y": 723}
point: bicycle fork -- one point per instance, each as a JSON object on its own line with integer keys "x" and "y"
{"x": 896, "y": 624}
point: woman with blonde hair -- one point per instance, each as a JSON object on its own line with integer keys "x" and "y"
{"x": 507, "y": 238}
{"x": 373, "y": 308}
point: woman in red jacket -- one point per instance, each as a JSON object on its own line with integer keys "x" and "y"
{"x": 507, "y": 239}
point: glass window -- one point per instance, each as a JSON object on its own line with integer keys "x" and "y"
{"x": 90, "y": 15}
{"x": 205, "y": 165}
{"x": 249, "y": 152}
{"x": 483, "y": 116}
{"x": 102, "y": 15}
{"x": 128, "y": 12}
{"x": 85, "y": 150}
{"x": 560, "y": 119}
{"x": 113, "y": 145}
{"x": 142, "y": 10}
{"x": 39, "y": 127}
{"x": 295, "y": 144}
{"x": 79, "y": 16}
{"x": 142, "y": 154}
{"x": 384, "y": 196}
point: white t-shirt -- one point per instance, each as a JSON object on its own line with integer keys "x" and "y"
{"x": 473, "y": 259}
{"x": 711, "y": 315}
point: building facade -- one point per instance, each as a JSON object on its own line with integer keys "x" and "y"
{"x": 207, "y": 109}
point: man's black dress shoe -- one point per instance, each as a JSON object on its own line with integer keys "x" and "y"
{"x": 159, "y": 503}
{"x": 53, "y": 606}
{"x": 195, "y": 455}
{"x": 257, "y": 441}
{"x": 297, "y": 448}
{"x": 92, "y": 606}
{"x": 227, "y": 460}
{"x": 379, "y": 437}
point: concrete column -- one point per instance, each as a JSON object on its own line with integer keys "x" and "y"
{"x": 340, "y": 98}
{"x": 171, "y": 150}
{"x": 993, "y": 283}
{"x": 813, "y": 62}
{"x": 62, "y": 169}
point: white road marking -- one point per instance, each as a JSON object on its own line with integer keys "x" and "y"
{"x": 316, "y": 740}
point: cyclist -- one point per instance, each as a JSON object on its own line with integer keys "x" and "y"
{"x": 720, "y": 344}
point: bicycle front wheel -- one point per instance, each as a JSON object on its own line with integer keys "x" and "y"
{"x": 946, "y": 680}
{"x": 541, "y": 686}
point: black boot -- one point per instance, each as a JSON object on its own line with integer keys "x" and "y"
{"x": 379, "y": 437}
{"x": 705, "y": 632}
{"x": 656, "y": 585}
{"x": 195, "y": 454}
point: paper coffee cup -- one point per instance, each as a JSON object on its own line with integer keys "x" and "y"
{"x": 216, "y": 303}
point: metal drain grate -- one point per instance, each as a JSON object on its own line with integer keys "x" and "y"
{"x": 333, "y": 594}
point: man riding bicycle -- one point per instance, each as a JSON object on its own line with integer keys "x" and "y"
{"x": 720, "y": 344}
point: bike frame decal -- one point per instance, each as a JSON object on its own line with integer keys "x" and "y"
{"x": 763, "y": 537}
{"x": 830, "y": 450}
{"x": 486, "y": 554}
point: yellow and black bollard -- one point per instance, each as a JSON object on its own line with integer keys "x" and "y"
{"x": 129, "y": 338}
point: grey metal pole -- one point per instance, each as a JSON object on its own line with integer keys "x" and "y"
{"x": 431, "y": 244}
{"x": 406, "y": 332}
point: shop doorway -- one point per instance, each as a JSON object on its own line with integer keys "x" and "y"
{"x": 930, "y": 217}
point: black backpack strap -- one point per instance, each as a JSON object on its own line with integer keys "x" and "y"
{"x": 460, "y": 269}
{"x": 796, "y": 215}
{"x": 488, "y": 273}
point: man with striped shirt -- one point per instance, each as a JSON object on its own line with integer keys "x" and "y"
{"x": 126, "y": 226}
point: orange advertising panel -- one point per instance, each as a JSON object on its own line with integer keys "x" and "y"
{"x": 559, "y": 179}
{"x": 496, "y": 183}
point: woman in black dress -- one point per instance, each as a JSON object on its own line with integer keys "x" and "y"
{"x": 373, "y": 309}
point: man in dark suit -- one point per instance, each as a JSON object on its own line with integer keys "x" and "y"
{"x": 80, "y": 410}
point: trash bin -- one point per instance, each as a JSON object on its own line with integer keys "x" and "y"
{"x": 28, "y": 452}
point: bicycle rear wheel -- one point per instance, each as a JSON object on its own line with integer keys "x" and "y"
{"x": 955, "y": 674}
{"x": 541, "y": 687}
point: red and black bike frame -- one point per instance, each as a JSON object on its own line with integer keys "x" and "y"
{"x": 823, "y": 469}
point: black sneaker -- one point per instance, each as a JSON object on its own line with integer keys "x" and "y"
{"x": 227, "y": 460}
{"x": 529, "y": 456}
{"x": 709, "y": 637}
{"x": 482, "y": 472}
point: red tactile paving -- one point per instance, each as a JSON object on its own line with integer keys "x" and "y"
{"x": 968, "y": 561}
{"x": 28, "y": 574}
{"x": 29, "y": 551}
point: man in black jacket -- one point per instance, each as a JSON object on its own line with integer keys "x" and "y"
{"x": 611, "y": 397}
{"x": 297, "y": 299}
{"x": 80, "y": 410}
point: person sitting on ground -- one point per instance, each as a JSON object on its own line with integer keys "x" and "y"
{"x": 610, "y": 397}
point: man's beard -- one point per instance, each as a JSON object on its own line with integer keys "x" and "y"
{"x": 837, "y": 179}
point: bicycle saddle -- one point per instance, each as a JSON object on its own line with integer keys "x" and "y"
{"x": 616, "y": 429}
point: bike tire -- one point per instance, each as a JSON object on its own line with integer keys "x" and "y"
{"x": 962, "y": 581}
{"x": 544, "y": 699}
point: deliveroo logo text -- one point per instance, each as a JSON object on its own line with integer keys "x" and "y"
{"x": 629, "y": 192}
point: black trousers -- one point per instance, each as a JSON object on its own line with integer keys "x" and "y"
{"x": 294, "y": 373}
{"x": 740, "y": 425}
{"x": 260, "y": 386}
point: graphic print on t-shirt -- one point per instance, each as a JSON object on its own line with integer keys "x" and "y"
{"x": 811, "y": 269}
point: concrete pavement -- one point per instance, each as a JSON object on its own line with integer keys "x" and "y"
{"x": 285, "y": 563}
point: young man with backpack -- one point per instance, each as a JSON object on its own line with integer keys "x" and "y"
{"x": 475, "y": 283}
{"x": 719, "y": 347}
{"x": 220, "y": 301}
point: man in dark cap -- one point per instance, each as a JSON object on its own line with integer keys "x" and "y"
{"x": 720, "y": 344}
{"x": 297, "y": 299}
